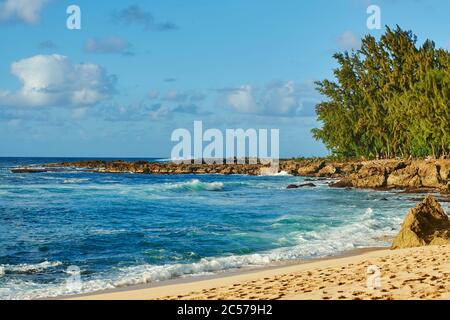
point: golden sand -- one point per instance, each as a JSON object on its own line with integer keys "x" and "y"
{"x": 416, "y": 273}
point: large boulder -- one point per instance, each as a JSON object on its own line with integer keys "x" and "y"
{"x": 427, "y": 224}
{"x": 429, "y": 174}
{"x": 350, "y": 168}
{"x": 393, "y": 165}
{"x": 328, "y": 171}
{"x": 407, "y": 177}
{"x": 311, "y": 168}
{"x": 290, "y": 167}
{"x": 371, "y": 175}
{"x": 444, "y": 169}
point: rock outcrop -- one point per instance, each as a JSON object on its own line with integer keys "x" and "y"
{"x": 427, "y": 224}
{"x": 406, "y": 177}
{"x": 394, "y": 174}
{"x": 371, "y": 175}
{"x": 304, "y": 185}
{"x": 28, "y": 170}
{"x": 311, "y": 168}
{"x": 411, "y": 175}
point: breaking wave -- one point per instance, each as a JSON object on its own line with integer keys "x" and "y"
{"x": 75, "y": 181}
{"x": 197, "y": 185}
{"x": 362, "y": 232}
{"x": 28, "y": 268}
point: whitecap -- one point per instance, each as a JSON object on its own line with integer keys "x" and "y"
{"x": 282, "y": 174}
{"x": 75, "y": 181}
{"x": 197, "y": 185}
{"x": 360, "y": 232}
{"x": 29, "y": 268}
{"x": 269, "y": 172}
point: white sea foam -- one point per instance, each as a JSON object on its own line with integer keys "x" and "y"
{"x": 270, "y": 173}
{"x": 29, "y": 268}
{"x": 360, "y": 232}
{"x": 75, "y": 180}
{"x": 197, "y": 185}
{"x": 150, "y": 273}
{"x": 163, "y": 160}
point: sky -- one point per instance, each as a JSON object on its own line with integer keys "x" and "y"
{"x": 138, "y": 70}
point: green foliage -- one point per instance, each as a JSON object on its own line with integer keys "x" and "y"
{"x": 390, "y": 98}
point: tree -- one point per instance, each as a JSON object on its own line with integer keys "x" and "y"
{"x": 390, "y": 98}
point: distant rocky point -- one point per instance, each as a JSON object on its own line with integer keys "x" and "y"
{"x": 427, "y": 224}
{"x": 410, "y": 175}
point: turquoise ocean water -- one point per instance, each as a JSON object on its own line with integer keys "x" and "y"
{"x": 126, "y": 229}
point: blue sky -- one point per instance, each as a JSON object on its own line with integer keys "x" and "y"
{"x": 137, "y": 70}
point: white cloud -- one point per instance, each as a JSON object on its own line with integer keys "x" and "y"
{"x": 348, "y": 41}
{"x": 242, "y": 100}
{"x": 280, "y": 98}
{"x": 276, "y": 99}
{"x": 52, "y": 80}
{"x": 24, "y": 10}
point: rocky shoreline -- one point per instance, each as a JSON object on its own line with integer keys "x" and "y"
{"x": 410, "y": 175}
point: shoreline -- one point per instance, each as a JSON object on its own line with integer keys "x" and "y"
{"x": 223, "y": 274}
{"x": 414, "y": 273}
{"x": 234, "y": 283}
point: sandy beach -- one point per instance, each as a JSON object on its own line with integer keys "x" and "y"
{"x": 415, "y": 273}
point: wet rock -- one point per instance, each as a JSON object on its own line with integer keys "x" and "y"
{"x": 344, "y": 183}
{"x": 303, "y": 185}
{"x": 307, "y": 185}
{"x": 28, "y": 170}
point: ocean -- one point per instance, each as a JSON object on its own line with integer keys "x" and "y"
{"x": 126, "y": 229}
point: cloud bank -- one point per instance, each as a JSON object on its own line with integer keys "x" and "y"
{"x": 52, "y": 80}
{"x": 280, "y": 99}
{"x": 21, "y": 10}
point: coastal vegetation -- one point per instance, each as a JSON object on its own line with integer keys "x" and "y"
{"x": 390, "y": 98}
